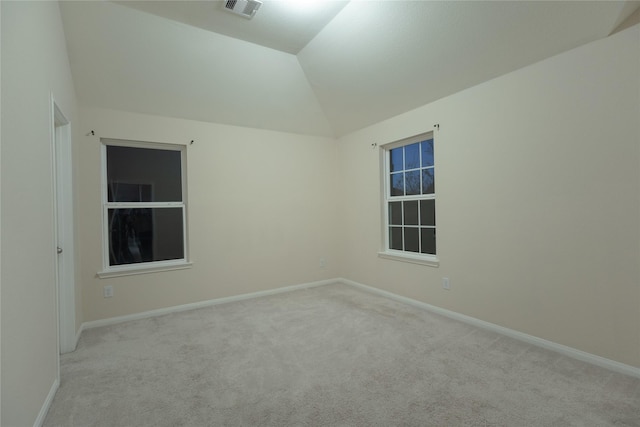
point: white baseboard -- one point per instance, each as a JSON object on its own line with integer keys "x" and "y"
{"x": 75, "y": 341}
{"x": 47, "y": 404}
{"x": 201, "y": 304}
{"x": 80, "y": 329}
{"x": 530, "y": 339}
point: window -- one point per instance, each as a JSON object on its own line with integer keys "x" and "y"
{"x": 410, "y": 201}
{"x": 143, "y": 207}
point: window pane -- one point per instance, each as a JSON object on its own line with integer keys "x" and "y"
{"x": 395, "y": 238}
{"x": 143, "y": 174}
{"x": 395, "y": 213}
{"x": 396, "y": 159}
{"x": 126, "y": 192}
{"x": 411, "y": 239}
{"x": 412, "y": 156}
{"x": 411, "y": 212}
{"x": 427, "y": 153}
{"x": 412, "y": 182}
{"x": 428, "y": 236}
{"x": 397, "y": 184}
{"x": 428, "y": 185}
{"x": 145, "y": 235}
{"x": 427, "y": 212}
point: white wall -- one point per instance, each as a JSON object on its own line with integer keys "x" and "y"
{"x": 260, "y": 207}
{"x": 0, "y": 215}
{"x": 538, "y": 204}
{"x": 34, "y": 66}
{"x": 538, "y": 200}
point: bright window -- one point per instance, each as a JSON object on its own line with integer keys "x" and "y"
{"x": 144, "y": 212}
{"x": 410, "y": 200}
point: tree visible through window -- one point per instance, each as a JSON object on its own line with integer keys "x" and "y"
{"x": 410, "y": 196}
{"x": 144, "y": 208}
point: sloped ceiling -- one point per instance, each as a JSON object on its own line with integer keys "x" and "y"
{"x": 344, "y": 68}
{"x": 286, "y": 25}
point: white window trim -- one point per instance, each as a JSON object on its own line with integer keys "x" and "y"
{"x": 422, "y": 259}
{"x": 385, "y": 252}
{"x": 146, "y": 267}
{"x": 149, "y": 267}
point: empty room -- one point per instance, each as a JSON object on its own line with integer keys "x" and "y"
{"x": 320, "y": 213}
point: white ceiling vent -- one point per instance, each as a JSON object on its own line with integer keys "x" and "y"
{"x": 246, "y": 8}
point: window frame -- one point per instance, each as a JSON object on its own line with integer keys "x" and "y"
{"x": 386, "y": 198}
{"x": 150, "y": 266}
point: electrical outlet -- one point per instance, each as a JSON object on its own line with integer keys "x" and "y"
{"x": 323, "y": 263}
{"x": 445, "y": 283}
{"x": 107, "y": 291}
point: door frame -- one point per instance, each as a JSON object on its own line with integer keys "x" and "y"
{"x": 63, "y": 228}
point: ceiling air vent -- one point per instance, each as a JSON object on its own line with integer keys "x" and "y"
{"x": 246, "y": 8}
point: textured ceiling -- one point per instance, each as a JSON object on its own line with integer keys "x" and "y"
{"x": 355, "y": 64}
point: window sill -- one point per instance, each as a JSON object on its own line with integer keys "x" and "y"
{"x": 430, "y": 260}
{"x": 130, "y": 271}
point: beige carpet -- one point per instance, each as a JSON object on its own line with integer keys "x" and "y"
{"x": 328, "y": 356}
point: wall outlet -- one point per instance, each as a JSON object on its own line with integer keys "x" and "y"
{"x": 445, "y": 283}
{"x": 107, "y": 291}
{"x": 323, "y": 263}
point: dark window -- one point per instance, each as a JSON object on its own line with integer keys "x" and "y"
{"x": 411, "y": 218}
{"x": 144, "y": 210}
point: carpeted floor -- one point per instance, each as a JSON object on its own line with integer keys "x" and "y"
{"x": 328, "y": 356}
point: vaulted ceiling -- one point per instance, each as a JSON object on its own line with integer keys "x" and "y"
{"x": 324, "y": 71}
